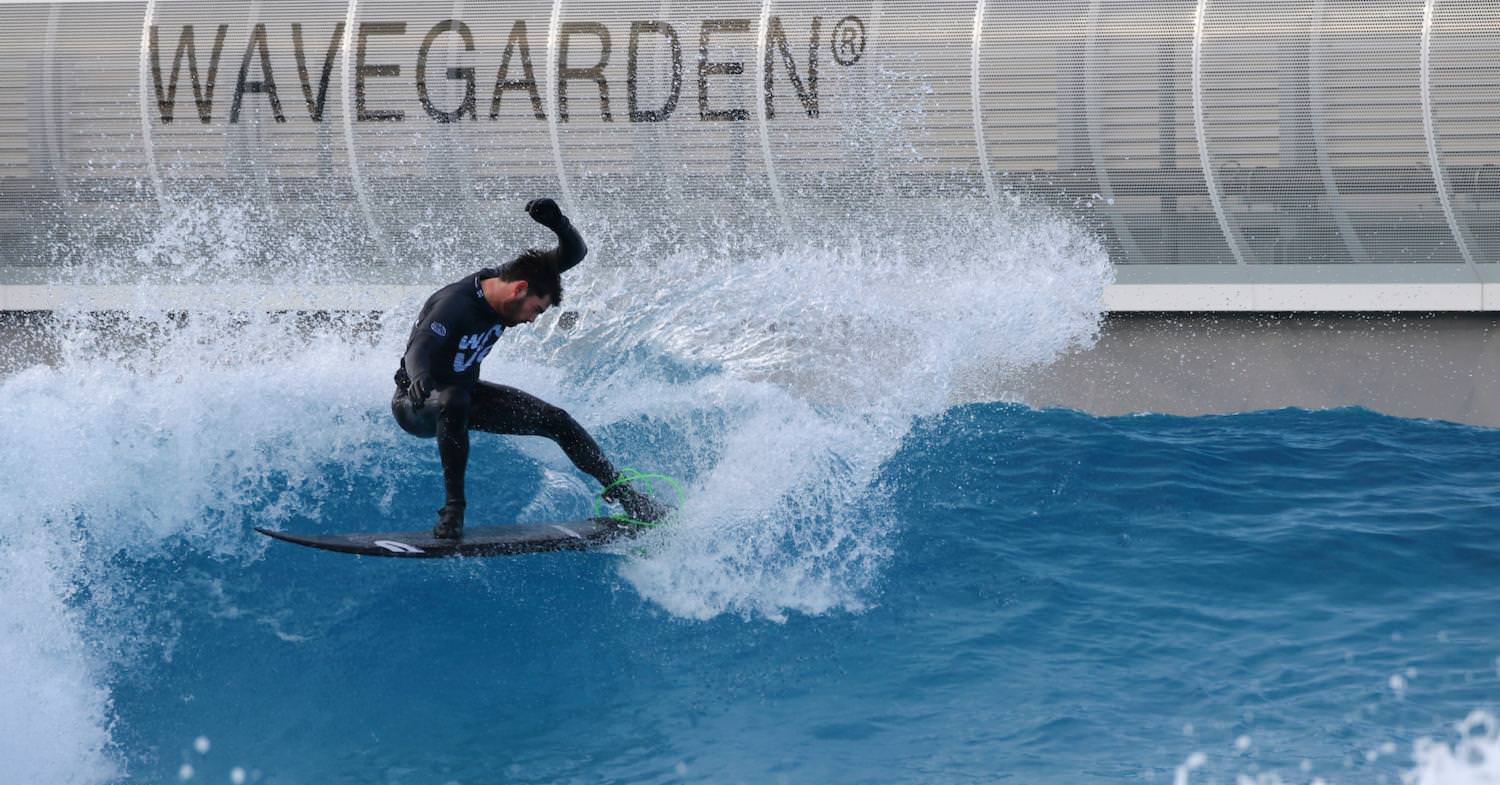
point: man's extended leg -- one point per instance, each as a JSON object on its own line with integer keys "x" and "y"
{"x": 506, "y": 410}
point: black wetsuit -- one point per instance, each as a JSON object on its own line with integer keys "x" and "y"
{"x": 453, "y": 333}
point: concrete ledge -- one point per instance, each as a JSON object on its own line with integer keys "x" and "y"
{"x": 1282, "y": 298}
{"x": 1303, "y": 288}
{"x": 1437, "y": 366}
{"x": 1443, "y": 366}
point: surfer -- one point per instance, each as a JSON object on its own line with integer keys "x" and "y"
{"x": 438, "y": 392}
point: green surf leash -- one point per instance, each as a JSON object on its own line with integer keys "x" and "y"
{"x": 648, "y": 485}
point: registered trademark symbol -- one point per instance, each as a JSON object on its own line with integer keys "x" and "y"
{"x": 848, "y": 40}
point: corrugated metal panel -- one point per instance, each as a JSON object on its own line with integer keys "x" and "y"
{"x": 1181, "y": 131}
{"x": 1465, "y": 93}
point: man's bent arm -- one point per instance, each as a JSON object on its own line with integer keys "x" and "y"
{"x": 570, "y": 246}
{"x": 432, "y": 335}
{"x": 418, "y": 359}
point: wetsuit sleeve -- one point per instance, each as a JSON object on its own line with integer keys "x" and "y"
{"x": 432, "y": 342}
{"x": 570, "y": 246}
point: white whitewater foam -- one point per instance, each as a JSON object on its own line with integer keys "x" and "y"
{"x": 1473, "y": 759}
{"x": 55, "y": 717}
{"x": 825, "y": 354}
{"x": 150, "y": 434}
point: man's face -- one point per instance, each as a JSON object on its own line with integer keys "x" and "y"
{"x": 526, "y": 308}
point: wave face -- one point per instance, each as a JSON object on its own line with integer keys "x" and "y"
{"x": 870, "y": 580}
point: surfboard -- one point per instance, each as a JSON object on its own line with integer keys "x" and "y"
{"x": 477, "y": 541}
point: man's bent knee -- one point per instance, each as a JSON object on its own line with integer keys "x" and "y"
{"x": 421, "y": 423}
{"x": 451, "y": 403}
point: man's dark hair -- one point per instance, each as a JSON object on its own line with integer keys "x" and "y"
{"x": 538, "y": 269}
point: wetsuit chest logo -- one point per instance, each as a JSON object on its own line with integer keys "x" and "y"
{"x": 472, "y": 349}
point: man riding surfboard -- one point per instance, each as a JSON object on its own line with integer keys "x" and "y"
{"x": 438, "y": 391}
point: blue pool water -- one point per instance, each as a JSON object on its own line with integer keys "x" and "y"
{"x": 878, "y": 575}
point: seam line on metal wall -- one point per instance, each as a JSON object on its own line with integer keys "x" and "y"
{"x": 1205, "y": 160}
{"x": 671, "y": 158}
{"x": 554, "y": 31}
{"x": 258, "y": 140}
{"x": 464, "y": 181}
{"x": 874, "y": 44}
{"x": 50, "y": 124}
{"x": 980, "y": 145}
{"x": 1429, "y": 129}
{"x": 1316, "y": 107}
{"x": 1092, "y": 113}
{"x": 761, "y": 55}
{"x": 356, "y": 177}
{"x": 147, "y": 145}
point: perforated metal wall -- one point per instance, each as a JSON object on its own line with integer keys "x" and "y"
{"x": 1257, "y": 132}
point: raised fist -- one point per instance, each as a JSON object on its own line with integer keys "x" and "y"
{"x": 545, "y": 212}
